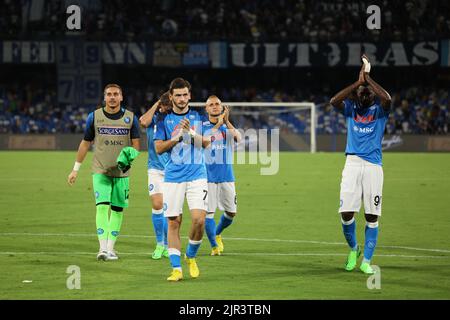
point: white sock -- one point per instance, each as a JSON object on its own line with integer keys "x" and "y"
{"x": 111, "y": 244}
{"x": 103, "y": 244}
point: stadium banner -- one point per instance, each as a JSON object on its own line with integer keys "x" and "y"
{"x": 125, "y": 53}
{"x": 218, "y": 54}
{"x": 79, "y": 71}
{"x": 180, "y": 54}
{"x": 331, "y": 54}
{"x": 27, "y": 52}
{"x": 196, "y": 55}
{"x": 238, "y": 55}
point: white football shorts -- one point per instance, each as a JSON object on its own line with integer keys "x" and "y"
{"x": 361, "y": 180}
{"x": 155, "y": 181}
{"x": 223, "y": 196}
{"x": 196, "y": 193}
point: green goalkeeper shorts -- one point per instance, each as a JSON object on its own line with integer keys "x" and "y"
{"x": 110, "y": 189}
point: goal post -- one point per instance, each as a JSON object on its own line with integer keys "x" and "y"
{"x": 311, "y": 106}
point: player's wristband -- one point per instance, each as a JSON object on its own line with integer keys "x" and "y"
{"x": 366, "y": 65}
{"x": 76, "y": 166}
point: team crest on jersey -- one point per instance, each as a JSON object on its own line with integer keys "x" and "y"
{"x": 127, "y": 119}
{"x": 191, "y": 116}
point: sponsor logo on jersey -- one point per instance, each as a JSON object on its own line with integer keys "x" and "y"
{"x": 363, "y": 130}
{"x": 97, "y": 194}
{"x": 113, "y": 131}
{"x": 191, "y": 116}
{"x": 218, "y": 146}
{"x": 113, "y": 143}
{"x": 150, "y": 187}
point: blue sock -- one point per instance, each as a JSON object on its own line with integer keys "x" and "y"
{"x": 210, "y": 228}
{"x": 371, "y": 240}
{"x": 166, "y": 225}
{"x": 192, "y": 248}
{"x": 175, "y": 258}
{"x": 158, "y": 225}
{"x": 225, "y": 221}
{"x": 349, "y": 228}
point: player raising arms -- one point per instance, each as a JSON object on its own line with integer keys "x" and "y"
{"x": 362, "y": 178}
{"x": 185, "y": 175}
{"x": 156, "y": 164}
{"x": 221, "y": 188}
{"x": 112, "y": 129}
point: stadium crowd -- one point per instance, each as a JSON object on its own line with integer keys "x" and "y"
{"x": 34, "y": 109}
{"x": 234, "y": 20}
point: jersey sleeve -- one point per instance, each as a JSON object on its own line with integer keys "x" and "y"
{"x": 381, "y": 112}
{"x": 348, "y": 108}
{"x": 135, "y": 131}
{"x": 89, "y": 131}
{"x": 160, "y": 133}
{"x": 155, "y": 118}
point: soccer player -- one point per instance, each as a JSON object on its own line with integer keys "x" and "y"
{"x": 218, "y": 156}
{"x": 156, "y": 164}
{"x": 110, "y": 129}
{"x": 185, "y": 175}
{"x": 366, "y": 106}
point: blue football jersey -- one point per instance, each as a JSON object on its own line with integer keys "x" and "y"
{"x": 155, "y": 161}
{"x": 365, "y": 129}
{"x": 185, "y": 162}
{"x": 219, "y": 155}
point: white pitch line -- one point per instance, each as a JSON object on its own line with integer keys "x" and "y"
{"x": 312, "y": 254}
{"x": 233, "y": 239}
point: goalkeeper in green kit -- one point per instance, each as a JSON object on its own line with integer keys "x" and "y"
{"x": 115, "y": 133}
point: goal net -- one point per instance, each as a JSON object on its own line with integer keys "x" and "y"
{"x": 296, "y": 121}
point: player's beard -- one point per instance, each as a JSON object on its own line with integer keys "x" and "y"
{"x": 113, "y": 107}
{"x": 180, "y": 108}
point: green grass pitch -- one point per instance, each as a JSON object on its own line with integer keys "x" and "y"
{"x": 286, "y": 242}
